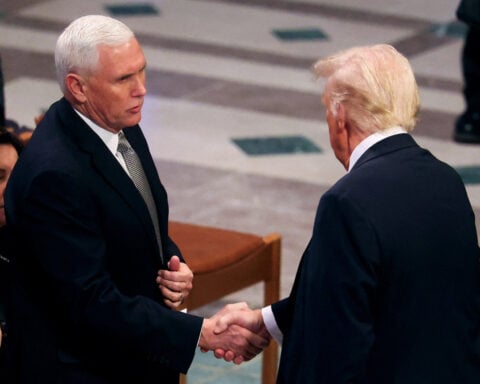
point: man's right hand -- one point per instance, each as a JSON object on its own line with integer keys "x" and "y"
{"x": 228, "y": 339}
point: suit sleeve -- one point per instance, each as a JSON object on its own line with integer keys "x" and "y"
{"x": 332, "y": 304}
{"x": 59, "y": 216}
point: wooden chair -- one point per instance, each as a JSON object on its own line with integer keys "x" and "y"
{"x": 224, "y": 262}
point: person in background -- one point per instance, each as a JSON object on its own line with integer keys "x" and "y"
{"x": 388, "y": 288}
{"x": 97, "y": 279}
{"x": 10, "y": 148}
{"x": 467, "y": 126}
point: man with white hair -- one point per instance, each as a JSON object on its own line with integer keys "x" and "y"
{"x": 388, "y": 288}
{"x": 97, "y": 278}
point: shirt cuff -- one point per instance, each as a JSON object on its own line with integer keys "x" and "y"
{"x": 271, "y": 324}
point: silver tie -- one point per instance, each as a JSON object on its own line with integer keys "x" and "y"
{"x": 140, "y": 180}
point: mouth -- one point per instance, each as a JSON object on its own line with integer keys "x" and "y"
{"x": 136, "y": 109}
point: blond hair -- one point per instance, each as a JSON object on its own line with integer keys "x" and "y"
{"x": 375, "y": 84}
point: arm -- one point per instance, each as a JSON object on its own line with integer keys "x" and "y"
{"x": 335, "y": 291}
{"x": 68, "y": 244}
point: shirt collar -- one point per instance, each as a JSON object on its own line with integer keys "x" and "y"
{"x": 109, "y": 138}
{"x": 371, "y": 140}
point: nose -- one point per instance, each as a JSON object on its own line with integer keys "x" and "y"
{"x": 139, "y": 89}
{"x": 142, "y": 89}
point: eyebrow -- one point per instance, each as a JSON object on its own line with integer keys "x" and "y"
{"x": 129, "y": 74}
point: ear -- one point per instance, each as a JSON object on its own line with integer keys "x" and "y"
{"x": 341, "y": 120}
{"x": 75, "y": 85}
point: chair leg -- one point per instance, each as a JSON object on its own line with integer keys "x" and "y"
{"x": 269, "y": 364}
{"x": 183, "y": 379}
{"x": 271, "y": 295}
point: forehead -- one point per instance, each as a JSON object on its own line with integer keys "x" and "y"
{"x": 127, "y": 56}
{"x": 8, "y": 155}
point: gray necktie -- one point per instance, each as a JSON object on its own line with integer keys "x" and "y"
{"x": 139, "y": 178}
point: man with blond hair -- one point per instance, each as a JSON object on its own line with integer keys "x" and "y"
{"x": 388, "y": 289}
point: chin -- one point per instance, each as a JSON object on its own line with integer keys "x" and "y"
{"x": 134, "y": 121}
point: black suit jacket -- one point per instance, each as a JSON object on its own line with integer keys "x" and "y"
{"x": 388, "y": 289}
{"x": 4, "y": 290}
{"x": 469, "y": 12}
{"x": 86, "y": 305}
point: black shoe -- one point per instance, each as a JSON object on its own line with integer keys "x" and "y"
{"x": 467, "y": 128}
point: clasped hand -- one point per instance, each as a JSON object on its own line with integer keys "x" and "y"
{"x": 236, "y": 333}
{"x": 175, "y": 283}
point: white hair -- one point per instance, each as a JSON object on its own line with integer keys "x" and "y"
{"x": 77, "y": 47}
{"x": 375, "y": 83}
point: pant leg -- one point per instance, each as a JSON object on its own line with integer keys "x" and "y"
{"x": 471, "y": 70}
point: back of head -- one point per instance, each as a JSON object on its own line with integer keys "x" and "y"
{"x": 76, "y": 50}
{"x": 375, "y": 84}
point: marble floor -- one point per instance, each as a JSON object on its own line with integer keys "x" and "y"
{"x": 233, "y": 115}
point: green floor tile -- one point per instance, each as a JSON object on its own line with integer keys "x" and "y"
{"x": 469, "y": 175}
{"x": 276, "y": 145}
{"x": 300, "y": 34}
{"x": 207, "y": 369}
{"x": 132, "y": 9}
{"x": 455, "y": 29}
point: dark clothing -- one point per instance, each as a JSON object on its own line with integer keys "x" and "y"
{"x": 467, "y": 126}
{"x": 4, "y": 289}
{"x": 471, "y": 71}
{"x": 86, "y": 307}
{"x": 469, "y": 12}
{"x": 4, "y": 263}
{"x": 388, "y": 289}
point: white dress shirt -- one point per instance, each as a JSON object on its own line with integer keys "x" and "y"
{"x": 109, "y": 138}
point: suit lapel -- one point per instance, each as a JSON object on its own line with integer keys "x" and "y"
{"x": 106, "y": 166}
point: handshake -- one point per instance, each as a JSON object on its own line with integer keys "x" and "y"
{"x": 235, "y": 333}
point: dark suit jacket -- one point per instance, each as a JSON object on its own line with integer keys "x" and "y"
{"x": 4, "y": 290}
{"x": 86, "y": 306}
{"x": 388, "y": 289}
{"x": 469, "y": 12}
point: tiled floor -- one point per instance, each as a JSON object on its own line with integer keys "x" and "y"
{"x": 233, "y": 115}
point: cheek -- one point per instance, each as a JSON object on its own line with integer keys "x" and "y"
{"x": 3, "y": 185}
{"x": 105, "y": 98}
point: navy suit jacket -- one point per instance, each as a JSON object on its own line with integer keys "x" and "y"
{"x": 86, "y": 307}
{"x": 388, "y": 289}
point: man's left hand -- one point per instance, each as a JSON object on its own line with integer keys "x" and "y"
{"x": 175, "y": 283}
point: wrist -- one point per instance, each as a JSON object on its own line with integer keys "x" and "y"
{"x": 203, "y": 339}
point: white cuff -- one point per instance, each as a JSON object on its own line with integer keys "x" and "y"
{"x": 271, "y": 324}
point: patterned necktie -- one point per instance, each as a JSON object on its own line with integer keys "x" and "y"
{"x": 139, "y": 178}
